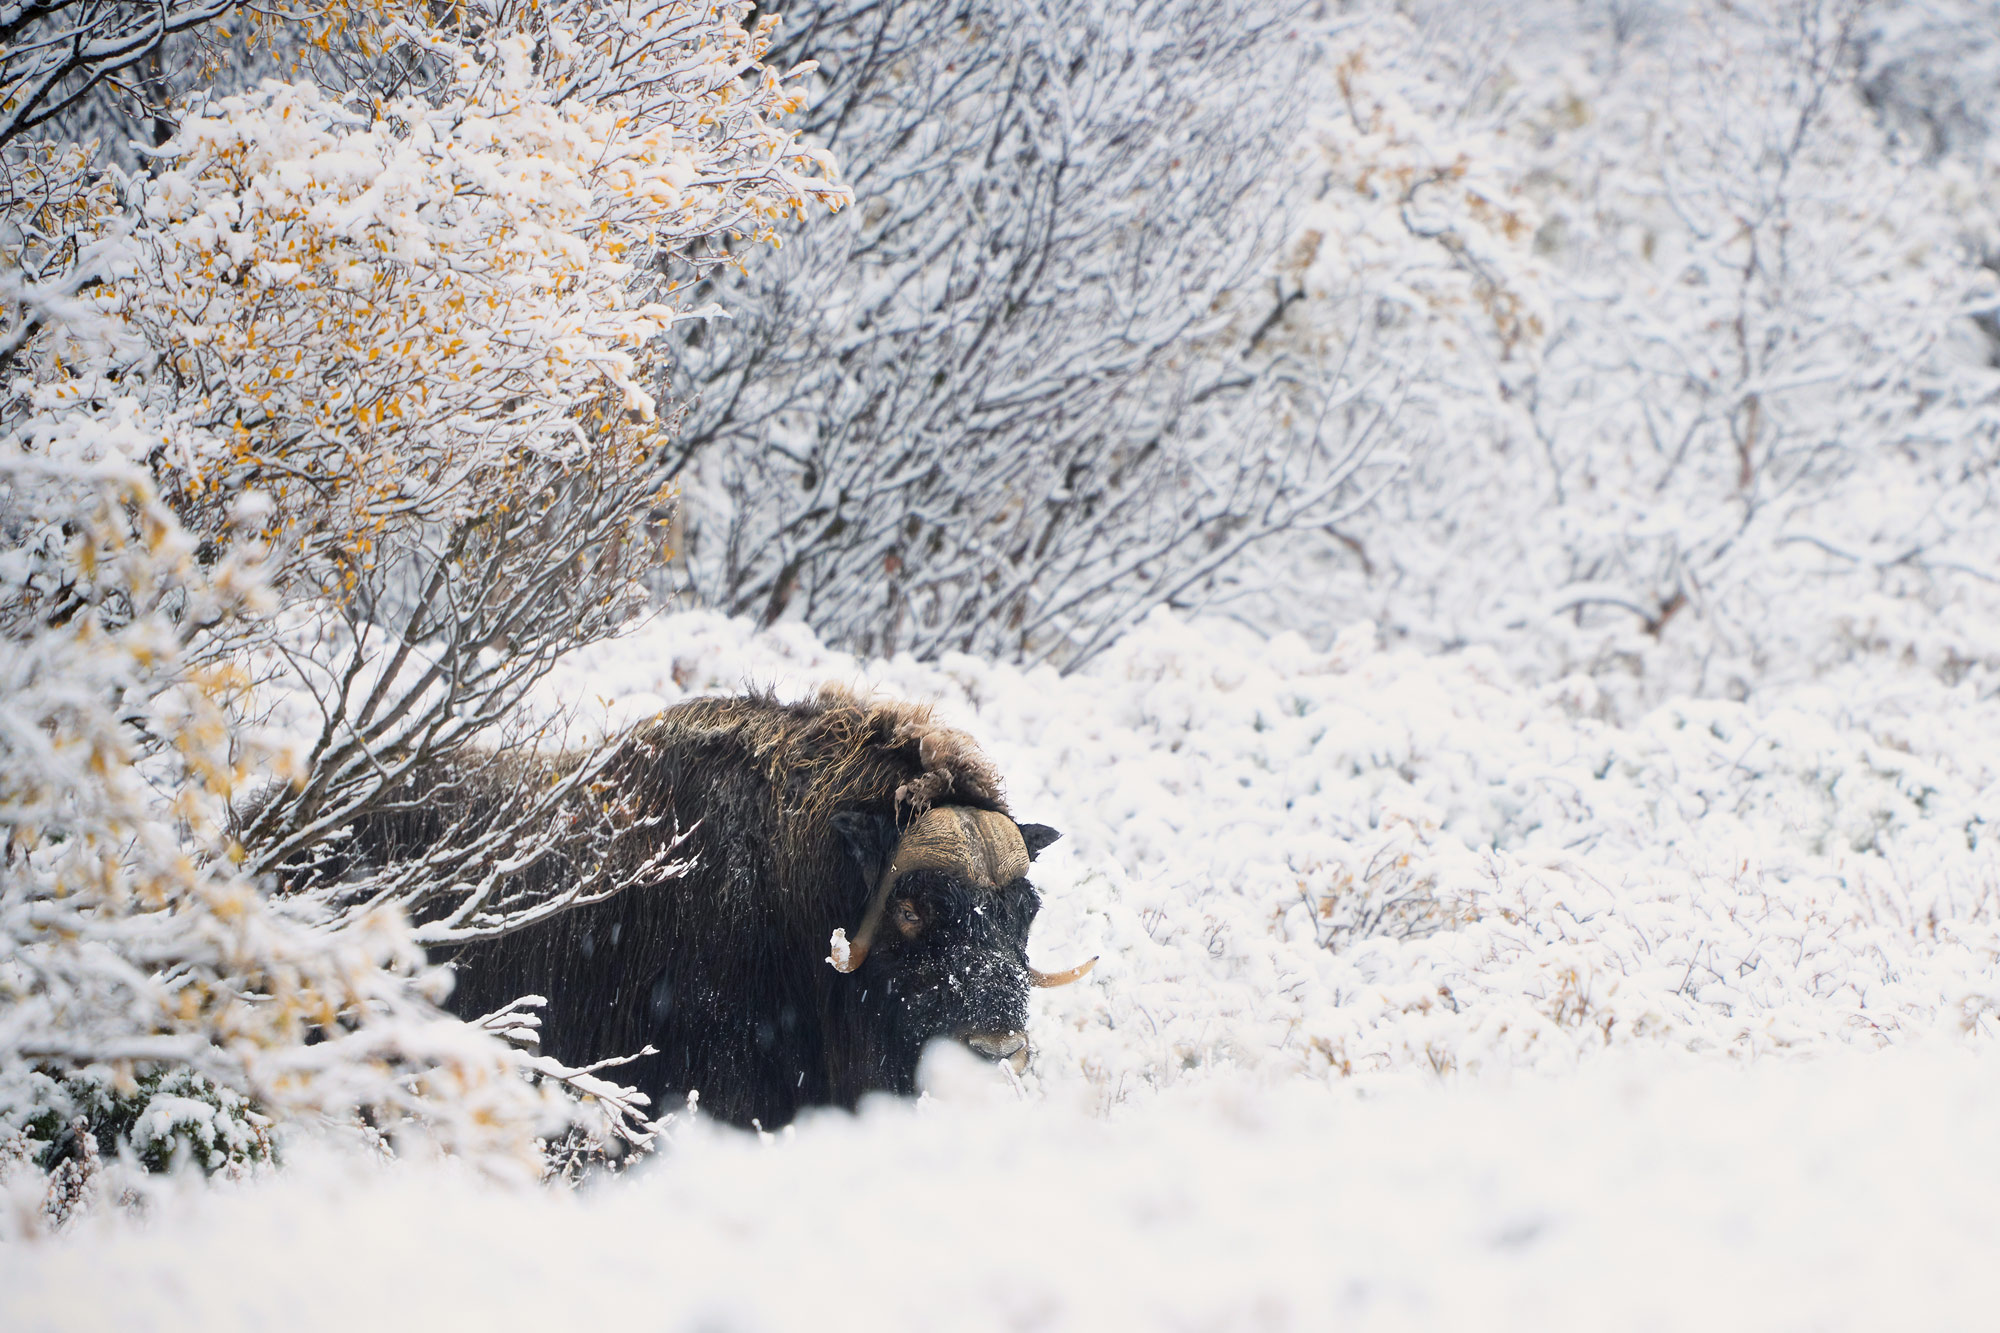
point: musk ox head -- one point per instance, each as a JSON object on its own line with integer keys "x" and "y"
{"x": 942, "y": 948}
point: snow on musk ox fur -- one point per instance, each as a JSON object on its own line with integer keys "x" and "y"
{"x": 861, "y": 817}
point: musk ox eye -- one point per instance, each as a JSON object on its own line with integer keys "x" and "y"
{"x": 907, "y": 919}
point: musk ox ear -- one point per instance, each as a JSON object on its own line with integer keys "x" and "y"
{"x": 1037, "y": 836}
{"x": 870, "y": 840}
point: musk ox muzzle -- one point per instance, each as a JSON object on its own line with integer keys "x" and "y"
{"x": 1008, "y": 1048}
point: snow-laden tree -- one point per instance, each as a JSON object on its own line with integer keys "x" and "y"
{"x": 322, "y": 438}
{"x": 55, "y": 53}
{"x": 1764, "y": 378}
{"x": 1019, "y": 395}
{"x": 1637, "y": 337}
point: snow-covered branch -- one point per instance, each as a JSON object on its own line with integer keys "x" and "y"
{"x": 320, "y": 441}
{"x": 1019, "y": 397}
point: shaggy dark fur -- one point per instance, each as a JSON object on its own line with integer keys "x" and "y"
{"x": 795, "y": 809}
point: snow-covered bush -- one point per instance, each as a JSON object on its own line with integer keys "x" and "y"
{"x": 1660, "y": 315}
{"x": 1707, "y": 407}
{"x": 131, "y": 943}
{"x": 164, "y": 1117}
{"x": 344, "y": 402}
{"x": 419, "y": 328}
{"x": 55, "y": 56}
{"x": 1017, "y": 396}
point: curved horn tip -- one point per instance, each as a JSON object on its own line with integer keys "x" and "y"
{"x": 1047, "y": 979}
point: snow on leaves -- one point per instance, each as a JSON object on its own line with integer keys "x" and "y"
{"x": 363, "y": 308}
{"x": 327, "y": 328}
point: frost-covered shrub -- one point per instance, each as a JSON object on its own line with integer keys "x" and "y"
{"x": 343, "y": 401}
{"x": 414, "y": 332}
{"x": 130, "y": 939}
{"x": 1019, "y": 394}
{"x": 1707, "y": 409}
{"x": 163, "y": 1119}
{"x": 1668, "y": 316}
{"x": 72, "y": 1141}
{"x": 1380, "y": 886}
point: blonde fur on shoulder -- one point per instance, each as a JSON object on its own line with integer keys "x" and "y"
{"x": 841, "y": 747}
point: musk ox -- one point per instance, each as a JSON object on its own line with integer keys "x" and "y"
{"x": 811, "y": 822}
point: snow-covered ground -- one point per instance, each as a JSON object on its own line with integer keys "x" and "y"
{"x": 1856, "y": 1192}
{"x": 1428, "y": 999}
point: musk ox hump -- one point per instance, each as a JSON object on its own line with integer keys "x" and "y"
{"x": 840, "y": 750}
{"x": 952, "y": 770}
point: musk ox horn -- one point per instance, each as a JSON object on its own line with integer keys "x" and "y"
{"x": 1077, "y": 973}
{"x": 981, "y": 846}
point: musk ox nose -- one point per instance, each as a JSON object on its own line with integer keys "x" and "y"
{"x": 1008, "y": 1047}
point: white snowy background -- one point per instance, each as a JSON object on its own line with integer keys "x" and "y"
{"x": 1427, "y": 1000}
{"x": 1552, "y": 881}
